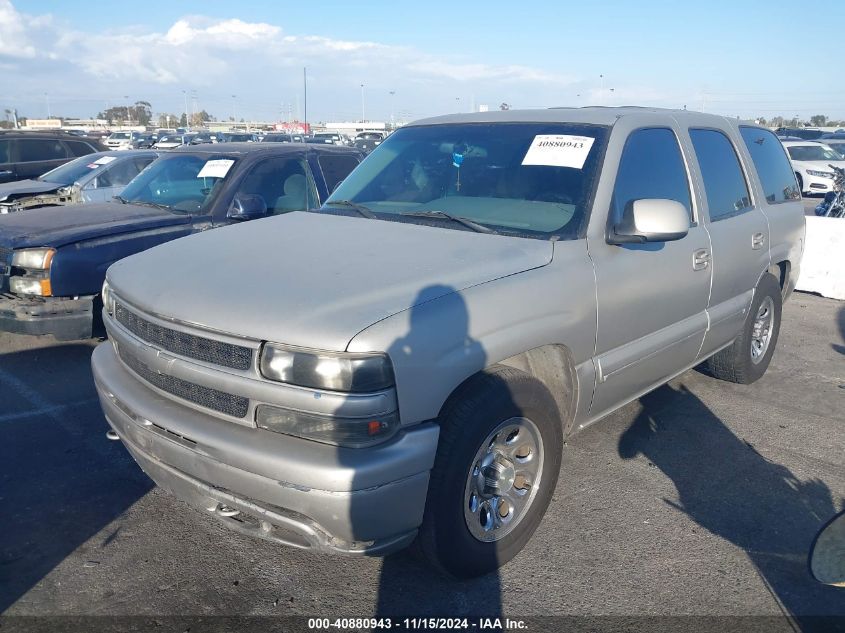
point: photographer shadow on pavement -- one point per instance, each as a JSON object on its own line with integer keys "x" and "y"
{"x": 408, "y": 586}
{"x": 726, "y": 486}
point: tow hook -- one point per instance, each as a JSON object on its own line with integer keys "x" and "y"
{"x": 110, "y": 434}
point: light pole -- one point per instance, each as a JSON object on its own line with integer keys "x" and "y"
{"x": 185, "y": 94}
{"x": 234, "y": 118}
{"x": 601, "y": 90}
{"x": 128, "y": 118}
{"x": 47, "y": 101}
{"x": 363, "y": 118}
{"x": 392, "y": 120}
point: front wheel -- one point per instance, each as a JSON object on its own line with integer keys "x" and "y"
{"x": 748, "y": 357}
{"x": 494, "y": 474}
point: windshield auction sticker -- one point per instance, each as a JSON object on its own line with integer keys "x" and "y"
{"x": 216, "y": 168}
{"x": 104, "y": 160}
{"x": 558, "y": 150}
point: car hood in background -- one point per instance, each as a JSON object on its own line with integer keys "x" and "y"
{"x": 311, "y": 279}
{"x": 57, "y": 226}
{"x": 817, "y": 165}
{"x": 19, "y": 188}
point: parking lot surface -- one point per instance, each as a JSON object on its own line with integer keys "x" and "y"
{"x": 701, "y": 498}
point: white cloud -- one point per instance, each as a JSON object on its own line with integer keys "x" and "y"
{"x": 258, "y": 61}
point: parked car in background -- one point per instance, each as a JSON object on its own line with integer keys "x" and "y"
{"x": 409, "y": 359}
{"x": 93, "y": 178}
{"x": 370, "y": 136}
{"x": 366, "y": 145}
{"x": 330, "y": 137}
{"x": 205, "y": 137}
{"x": 145, "y": 140}
{"x": 171, "y": 141}
{"x": 31, "y": 154}
{"x": 122, "y": 140}
{"x": 277, "y": 137}
{"x": 811, "y": 162}
{"x": 53, "y": 261}
{"x": 806, "y": 133}
{"x": 836, "y": 144}
{"x": 238, "y": 137}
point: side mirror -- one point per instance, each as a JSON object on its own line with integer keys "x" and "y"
{"x": 651, "y": 220}
{"x": 827, "y": 556}
{"x": 247, "y": 207}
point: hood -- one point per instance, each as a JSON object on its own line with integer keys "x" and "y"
{"x": 817, "y": 165}
{"x": 16, "y": 189}
{"x": 313, "y": 280}
{"x": 57, "y": 226}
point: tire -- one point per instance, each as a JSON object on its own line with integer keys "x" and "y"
{"x": 737, "y": 363}
{"x": 800, "y": 183}
{"x": 481, "y": 405}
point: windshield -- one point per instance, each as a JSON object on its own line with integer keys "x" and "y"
{"x": 70, "y": 172}
{"x": 184, "y": 183}
{"x": 529, "y": 179}
{"x": 813, "y": 152}
{"x": 120, "y": 136}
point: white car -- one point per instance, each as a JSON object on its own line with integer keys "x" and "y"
{"x": 811, "y": 162}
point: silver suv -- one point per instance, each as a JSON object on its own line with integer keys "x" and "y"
{"x": 406, "y": 362}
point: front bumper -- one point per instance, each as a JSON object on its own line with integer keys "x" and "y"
{"x": 816, "y": 184}
{"x": 285, "y": 489}
{"x": 65, "y": 318}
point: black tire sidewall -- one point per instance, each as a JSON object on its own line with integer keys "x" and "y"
{"x": 465, "y": 426}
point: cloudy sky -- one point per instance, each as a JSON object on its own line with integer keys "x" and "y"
{"x": 742, "y": 57}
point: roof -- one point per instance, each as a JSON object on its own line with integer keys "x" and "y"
{"x": 596, "y": 115}
{"x": 803, "y": 142}
{"x": 271, "y": 148}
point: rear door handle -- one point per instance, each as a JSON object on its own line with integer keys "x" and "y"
{"x": 758, "y": 240}
{"x": 700, "y": 259}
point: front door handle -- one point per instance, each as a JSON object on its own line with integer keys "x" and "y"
{"x": 700, "y": 259}
{"x": 758, "y": 240}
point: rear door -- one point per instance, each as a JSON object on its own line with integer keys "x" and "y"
{"x": 37, "y": 156}
{"x": 738, "y": 230}
{"x": 8, "y": 169}
{"x": 652, "y": 297}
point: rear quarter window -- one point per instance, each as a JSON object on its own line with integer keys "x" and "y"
{"x": 772, "y": 165}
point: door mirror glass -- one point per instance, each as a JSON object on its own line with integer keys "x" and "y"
{"x": 651, "y": 220}
{"x": 827, "y": 557}
{"x": 247, "y": 206}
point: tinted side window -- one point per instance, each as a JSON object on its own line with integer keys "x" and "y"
{"x": 773, "y": 167}
{"x": 4, "y": 151}
{"x": 80, "y": 148}
{"x": 336, "y": 168}
{"x": 651, "y": 167}
{"x": 724, "y": 184}
{"x": 119, "y": 175}
{"x": 283, "y": 183}
{"x": 36, "y": 149}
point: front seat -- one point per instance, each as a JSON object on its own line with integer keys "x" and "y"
{"x": 294, "y": 198}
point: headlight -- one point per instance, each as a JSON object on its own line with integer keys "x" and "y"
{"x": 30, "y": 286}
{"x": 348, "y": 432}
{"x": 820, "y": 174}
{"x": 107, "y": 297}
{"x": 326, "y": 370}
{"x": 33, "y": 258}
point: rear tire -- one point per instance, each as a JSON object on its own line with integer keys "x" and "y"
{"x": 747, "y": 358}
{"x": 495, "y": 471}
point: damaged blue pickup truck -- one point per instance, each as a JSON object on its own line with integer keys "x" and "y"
{"x": 53, "y": 260}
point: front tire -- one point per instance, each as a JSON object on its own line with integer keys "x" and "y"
{"x": 747, "y": 358}
{"x": 495, "y": 471}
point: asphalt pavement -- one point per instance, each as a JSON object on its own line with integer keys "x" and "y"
{"x": 701, "y": 498}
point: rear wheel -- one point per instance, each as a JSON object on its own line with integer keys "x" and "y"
{"x": 748, "y": 357}
{"x": 496, "y": 468}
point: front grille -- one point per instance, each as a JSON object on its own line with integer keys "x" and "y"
{"x": 196, "y": 347}
{"x": 236, "y": 406}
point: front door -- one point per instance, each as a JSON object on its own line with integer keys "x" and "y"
{"x": 652, "y": 297}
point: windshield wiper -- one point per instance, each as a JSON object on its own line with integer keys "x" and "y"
{"x": 149, "y": 204}
{"x": 360, "y": 208}
{"x": 120, "y": 199}
{"x": 475, "y": 226}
